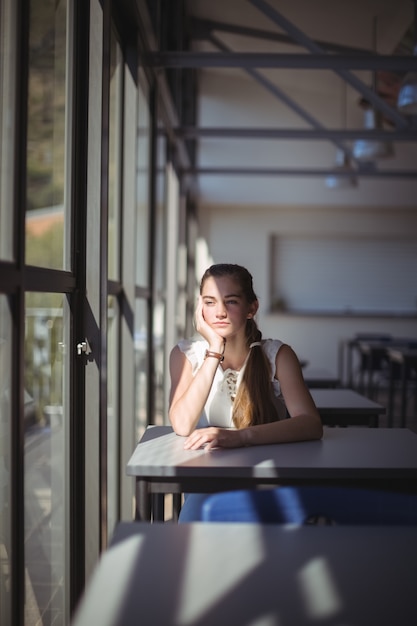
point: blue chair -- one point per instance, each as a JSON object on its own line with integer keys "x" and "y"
{"x": 312, "y": 505}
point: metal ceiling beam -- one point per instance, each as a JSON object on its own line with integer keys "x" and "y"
{"x": 299, "y": 172}
{"x": 281, "y": 95}
{"x": 202, "y": 28}
{"x": 271, "y": 60}
{"x": 305, "y": 41}
{"x": 188, "y": 132}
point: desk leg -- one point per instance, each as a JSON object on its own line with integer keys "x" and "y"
{"x": 341, "y": 362}
{"x": 143, "y": 501}
{"x": 176, "y": 505}
{"x": 391, "y": 395}
{"x": 349, "y": 368}
{"x": 403, "y": 393}
{"x": 370, "y": 367}
{"x": 158, "y": 507}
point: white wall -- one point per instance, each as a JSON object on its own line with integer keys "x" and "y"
{"x": 241, "y": 235}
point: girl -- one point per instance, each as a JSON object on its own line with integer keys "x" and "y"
{"x": 231, "y": 388}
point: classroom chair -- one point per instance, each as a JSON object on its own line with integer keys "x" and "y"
{"x": 312, "y": 505}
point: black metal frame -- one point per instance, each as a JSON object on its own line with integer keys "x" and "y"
{"x": 341, "y": 60}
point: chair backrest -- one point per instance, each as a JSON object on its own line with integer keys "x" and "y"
{"x": 310, "y": 505}
{"x": 372, "y": 336}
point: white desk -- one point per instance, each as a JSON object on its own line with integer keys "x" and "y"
{"x": 244, "y": 574}
{"x": 378, "y": 457}
{"x": 318, "y": 377}
{"x": 346, "y": 407}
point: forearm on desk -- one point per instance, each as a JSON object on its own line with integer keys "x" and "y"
{"x": 299, "y": 428}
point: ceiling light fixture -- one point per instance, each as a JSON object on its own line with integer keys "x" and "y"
{"x": 407, "y": 96}
{"x": 371, "y": 149}
{"x": 344, "y": 174}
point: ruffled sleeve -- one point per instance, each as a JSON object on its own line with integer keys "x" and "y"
{"x": 271, "y": 347}
{"x": 194, "y": 350}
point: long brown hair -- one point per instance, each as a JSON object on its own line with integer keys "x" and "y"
{"x": 254, "y": 402}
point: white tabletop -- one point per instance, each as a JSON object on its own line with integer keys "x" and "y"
{"x": 343, "y": 452}
{"x": 320, "y": 377}
{"x": 253, "y": 575}
{"x": 348, "y": 401}
{"x": 372, "y": 457}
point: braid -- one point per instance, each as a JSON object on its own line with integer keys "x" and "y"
{"x": 254, "y": 402}
{"x": 253, "y": 333}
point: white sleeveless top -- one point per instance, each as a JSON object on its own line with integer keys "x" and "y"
{"x": 219, "y": 405}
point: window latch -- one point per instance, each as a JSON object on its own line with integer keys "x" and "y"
{"x": 83, "y": 347}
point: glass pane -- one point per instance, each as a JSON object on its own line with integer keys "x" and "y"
{"x": 142, "y": 235}
{"x": 141, "y": 349}
{"x": 112, "y": 414}
{"x": 46, "y": 163}
{"x": 5, "y": 417}
{"x": 160, "y": 286}
{"x": 7, "y": 121}
{"x": 116, "y": 85}
{"x": 46, "y": 459}
{"x": 159, "y": 360}
{"x": 161, "y": 219}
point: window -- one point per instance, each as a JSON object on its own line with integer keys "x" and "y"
{"x": 113, "y": 310}
{"x": 113, "y": 417}
{"x": 46, "y": 141}
{"x": 5, "y": 447}
{"x": 115, "y": 160}
{"x": 46, "y": 457}
{"x": 7, "y": 120}
{"x": 143, "y": 164}
{"x": 160, "y": 268}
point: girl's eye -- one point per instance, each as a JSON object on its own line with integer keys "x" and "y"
{"x": 209, "y": 302}
{"x": 231, "y": 302}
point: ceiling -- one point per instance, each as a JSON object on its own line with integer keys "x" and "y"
{"x": 283, "y": 85}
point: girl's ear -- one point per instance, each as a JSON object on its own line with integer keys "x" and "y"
{"x": 253, "y": 308}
